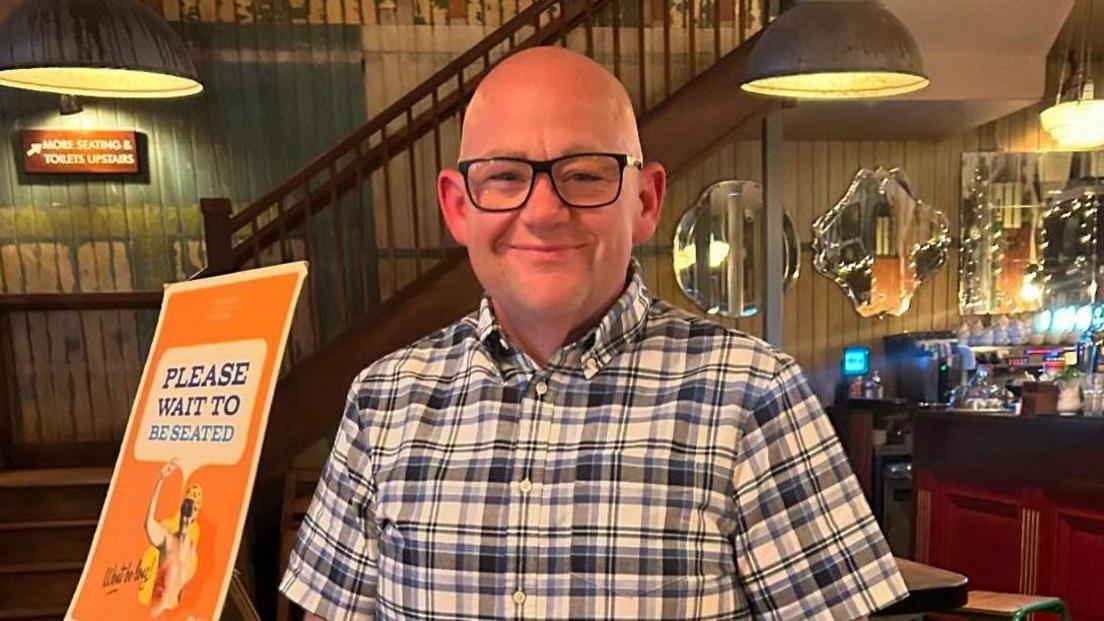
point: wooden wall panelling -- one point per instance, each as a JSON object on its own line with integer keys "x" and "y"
{"x": 836, "y": 303}
{"x": 791, "y": 302}
{"x": 802, "y": 215}
{"x": 822, "y": 287}
{"x": 864, "y": 153}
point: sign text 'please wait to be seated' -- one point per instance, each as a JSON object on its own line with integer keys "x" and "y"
{"x": 98, "y": 152}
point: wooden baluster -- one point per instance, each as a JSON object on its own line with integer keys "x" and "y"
{"x": 667, "y": 48}
{"x": 216, "y": 234}
{"x": 389, "y": 214}
{"x": 643, "y": 57}
{"x": 339, "y": 241}
{"x": 441, "y": 237}
{"x": 313, "y": 302}
{"x": 617, "y": 38}
{"x": 741, "y": 28}
{"x": 414, "y": 186}
{"x": 460, "y": 95}
{"x": 256, "y": 243}
{"x": 561, "y": 26}
{"x": 285, "y": 243}
{"x": 365, "y": 244}
{"x": 588, "y": 23}
{"x": 689, "y": 16}
{"x": 717, "y": 30}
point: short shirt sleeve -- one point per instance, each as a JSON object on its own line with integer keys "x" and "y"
{"x": 806, "y": 543}
{"x": 332, "y": 568}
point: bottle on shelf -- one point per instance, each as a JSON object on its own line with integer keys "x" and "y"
{"x": 872, "y": 388}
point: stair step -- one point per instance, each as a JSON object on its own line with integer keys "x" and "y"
{"x": 55, "y": 477}
{"x": 39, "y": 613}
{"x": 59, "y": 540}
{"x": 52, "y": 495}
{"x": 47, "y": 584}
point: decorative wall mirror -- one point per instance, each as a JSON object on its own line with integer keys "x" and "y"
{"x": 879, "y": 242}
{"x": 1029, "y": 230}
{"x": 718, "y": 255}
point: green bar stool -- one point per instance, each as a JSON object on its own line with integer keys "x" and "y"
{"x": 989, "y": 605}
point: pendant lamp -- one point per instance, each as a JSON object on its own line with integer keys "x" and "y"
{"x": 835, "y": 49}
{"x": 94, "y": 48}
{"x": 1076, "y": 119}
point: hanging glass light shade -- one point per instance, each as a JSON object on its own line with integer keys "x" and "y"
{"x": 835, "y": 49}
{"x": 94, "y": 48}
{"x": 1076, "y": 119}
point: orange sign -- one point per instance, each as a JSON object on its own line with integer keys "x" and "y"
{"x": 170, "y": 527}
{"x": 63, "y": 151}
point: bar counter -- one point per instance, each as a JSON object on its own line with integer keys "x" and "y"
{"x": 1015, "y": 503}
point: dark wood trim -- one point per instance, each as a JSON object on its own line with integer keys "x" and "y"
{"x": 64, "y": 455}
{"x": 101, "y": 300}
{"x": 217, "y": 235}
{"x": 1059, "y": 455}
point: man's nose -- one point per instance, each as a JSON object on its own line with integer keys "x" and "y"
{"x": 544, "y": 205}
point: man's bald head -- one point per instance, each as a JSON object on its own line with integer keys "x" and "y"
{"x": 558, "y": 89}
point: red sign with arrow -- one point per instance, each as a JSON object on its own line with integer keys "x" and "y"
{"x": 97, "y": 152}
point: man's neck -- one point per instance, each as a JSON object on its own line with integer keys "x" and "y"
{"x": 541, "y": 336}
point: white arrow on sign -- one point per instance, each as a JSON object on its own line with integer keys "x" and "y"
{"x": 36, "y": 148}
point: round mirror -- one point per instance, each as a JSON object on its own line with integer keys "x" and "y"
{"x": 718, "y": 255}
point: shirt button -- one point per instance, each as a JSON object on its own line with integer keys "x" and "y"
{"x": 590, "y": 368}
{"x": 541, "y": 389}
{"x": 519, "y": 597}
{"x": 525, "y": 486}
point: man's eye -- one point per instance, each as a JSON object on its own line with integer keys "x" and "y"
{"x": 583, "y": 176}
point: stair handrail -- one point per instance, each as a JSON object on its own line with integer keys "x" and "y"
{"x": 453, "y": 71}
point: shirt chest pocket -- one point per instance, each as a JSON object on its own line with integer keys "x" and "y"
{"x": 640, "y": 526}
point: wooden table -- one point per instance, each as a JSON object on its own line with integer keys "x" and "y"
{"x": 930, "y": 590}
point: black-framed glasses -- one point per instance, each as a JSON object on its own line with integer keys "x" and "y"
{"x": 582, "y": 180}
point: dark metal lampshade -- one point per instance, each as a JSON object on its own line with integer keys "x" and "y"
{"x": 835, "y": 49}
{"x": 96, "y": 48}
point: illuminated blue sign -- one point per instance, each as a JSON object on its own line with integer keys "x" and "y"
{"x": 856, "y": 361}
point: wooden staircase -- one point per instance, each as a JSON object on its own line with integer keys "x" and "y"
{"x": 47, "y": 520}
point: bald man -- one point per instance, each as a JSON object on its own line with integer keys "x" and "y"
{"x": 576, "y": 449}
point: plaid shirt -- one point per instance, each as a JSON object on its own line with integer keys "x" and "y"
{"x": 662, "y": 467}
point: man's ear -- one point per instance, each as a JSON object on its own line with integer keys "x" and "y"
{"x": 653, "y": 187}
{"x": 452, "y": 196}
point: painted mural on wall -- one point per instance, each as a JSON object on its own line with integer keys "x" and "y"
{"x": 277, "y": 95}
